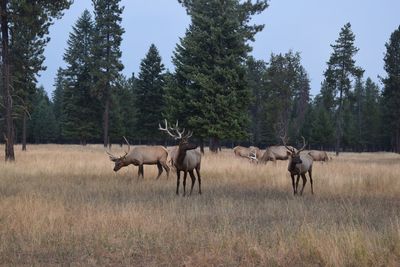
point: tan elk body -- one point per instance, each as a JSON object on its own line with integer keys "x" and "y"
{"x": 299, "y": 164}
{"x": 318, "y": 155}
{"x": 142, "y": 155}
{"x": 274, "y": 153}
{"x": 184, "y": 157}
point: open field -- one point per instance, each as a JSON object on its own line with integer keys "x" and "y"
{"x": 64, "y": 204}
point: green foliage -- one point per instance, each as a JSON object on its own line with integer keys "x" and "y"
{"x": 42, "y": 126}
{"x": 80, "y": 110}
{"x": 338, "y": 76}
{"x": 149, "y": 95}
{"x": 391, "y": 90}
{"x": 211, "y": 95}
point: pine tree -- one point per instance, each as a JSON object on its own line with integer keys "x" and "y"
{"x": 106, "y": 54}
{"x": 80, "y": 108}
{"x": 341, "y": 68}
{"x": 391, "y": 90}
{"x": 256, "y": 73}
{"x": 28, "y": 22}
{"x": 210, "y": 69}
{"x": 372, "y": 116}
{"x": 149, "y": 95}
{"x": 58, "y": 101}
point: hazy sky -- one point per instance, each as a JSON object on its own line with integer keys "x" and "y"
{"x": 307, "y": 26}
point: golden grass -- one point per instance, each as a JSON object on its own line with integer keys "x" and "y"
{"x": 65, "y": 205}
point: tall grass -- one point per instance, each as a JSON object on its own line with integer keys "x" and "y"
{"x": 64, "y": 204}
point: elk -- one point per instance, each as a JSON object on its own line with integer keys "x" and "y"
{"x": 274, "y": 153}
{"x": 185, "y": 158}
{"x": 253, "y": 152}
{"x": 318, "y": 155}
{"x": 142, "y": 155}
{"x": 299, "y": 164}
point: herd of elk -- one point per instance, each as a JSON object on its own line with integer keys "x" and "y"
{"x": 142, "y": 155}
{"x": 184, "y": 157}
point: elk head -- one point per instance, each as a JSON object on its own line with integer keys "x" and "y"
{"x": 180, "y": 135}
{"x": 294, "y": 156}
{"x": 120, "y": 161}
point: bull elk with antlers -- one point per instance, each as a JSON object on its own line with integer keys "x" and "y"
{"x": 185, "y": 158}
{"x": 299, "y": 164}
{"x": 142, "y": 155}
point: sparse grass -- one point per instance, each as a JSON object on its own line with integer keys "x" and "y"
{"x": 65, "y": 205}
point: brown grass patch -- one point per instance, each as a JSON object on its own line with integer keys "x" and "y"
{"x": 64, "y": 204}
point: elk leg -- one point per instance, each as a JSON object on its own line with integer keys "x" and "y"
{"x": 199, "y": 178}
{"x": 193, "y": 180}
{"x": 159, "y": 166}
{"x": 166, "y": 168}
{"x": 184, "y": 182}
{"x": 293, "y": 185}
{"x": 178, "y": 177}
{"x": 312, "y": 189}
{"x": 303, "y": 176}
{"x": 297, "y": 182}
{"x": 141, "y": 171}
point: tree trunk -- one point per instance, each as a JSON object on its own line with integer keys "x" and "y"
{"x": 8, "y": 123}
{"x": 105, "y": 121}
{"x": 339, "y": 124}
{"x": 202, "y": 146}
{"x": 214, "y": 144}
{"x": 24, "y": 132}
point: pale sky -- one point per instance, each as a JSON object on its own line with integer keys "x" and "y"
{"x": 307, "y": 26}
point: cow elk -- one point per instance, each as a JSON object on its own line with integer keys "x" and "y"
{"x": 299, "y": 164}
{"x": 185, "y": 158}
{"x": 142, "y": 155}
{"x": 318, "y": 155}
{"x": 274, "y": 153}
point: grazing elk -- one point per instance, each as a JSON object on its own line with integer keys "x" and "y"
{"x": 274, "y": 153}
{"x": 299, "y": 164}
{"x": 318, "y": 155}
{"x": 142, "y": 155}
{"x": 185, "y": 158}
{"x": 253, "y": 153}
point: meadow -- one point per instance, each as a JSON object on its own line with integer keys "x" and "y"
{"x": 63, "y": 204}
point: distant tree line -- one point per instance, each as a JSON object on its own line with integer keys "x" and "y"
{"x": 217, "y": 89}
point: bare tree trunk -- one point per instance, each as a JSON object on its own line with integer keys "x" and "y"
{"x": 202, "y": 146}
{"x": 8, "y": 123}
{"x": 214, "y": 144}
{"x": 24, "y": 132}
{"x": 339, "y": 124}
{"x": 106, "y": 121}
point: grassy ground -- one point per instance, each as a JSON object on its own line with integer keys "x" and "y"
{"x": 64, "y": 204}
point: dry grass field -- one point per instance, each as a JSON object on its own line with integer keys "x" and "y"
{"x": 65, "y": 205}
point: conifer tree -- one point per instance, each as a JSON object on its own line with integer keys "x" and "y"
{"x": 149, "y": 95}
{"x": 106, "y": 54}
{"x": 80, "y": 108}
{"x": 210, "y": 70}
{"x": 338, "y": 76}
{"x": 391, "y": 90}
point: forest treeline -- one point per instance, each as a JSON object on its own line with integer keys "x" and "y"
{"x": 217, "y": 89}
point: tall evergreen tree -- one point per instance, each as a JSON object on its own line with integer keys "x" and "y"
{"x": 372, "y": 117}
{"x": 340, "y": 71}
{"x": 149, "y": 95}
{"x": 106, "y": 54}
{"x": 80, "y": 108}
{"x": 256, "y": 73}
{"x": 210, "y": 69}
{"x": 391, "y": 90}
{"x": 28, "y": 22}
{"x": 58, "y": 101}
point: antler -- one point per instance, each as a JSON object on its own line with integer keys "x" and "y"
{"x": 129, "y": 146}
{"x": 253, "y": 156}
{"x": 283, "y": 138}
{"x": 166, "y": 129}
{"x": 179, "y": 135}
{"x": 304, "y": 145}
{"x": 114, "y": 158}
